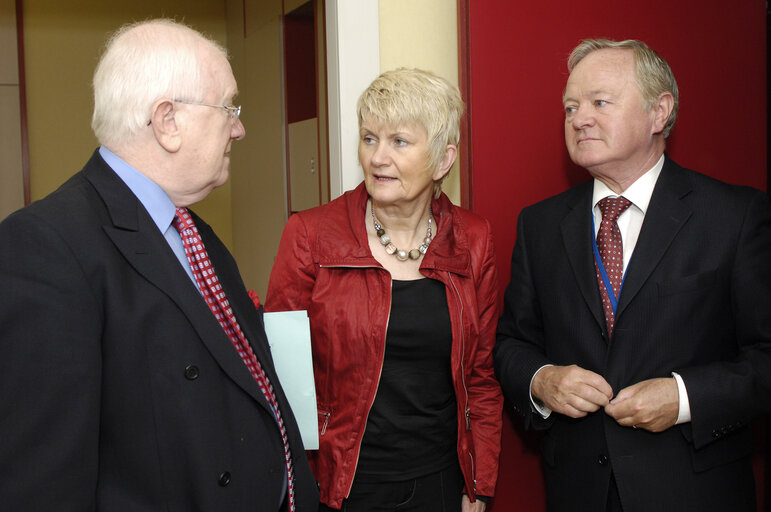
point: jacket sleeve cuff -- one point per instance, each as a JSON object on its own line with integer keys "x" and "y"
{"x": 684, "y": 411}
{"x": 538, "y": 406}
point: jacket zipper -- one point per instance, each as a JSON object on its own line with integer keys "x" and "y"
{"x": 380, "y": 372}
{"x": 473, "y": 471}
{"x": 466, "y": 408}
{"x": 372, "y": 398}
{"x": 326, "y": 389}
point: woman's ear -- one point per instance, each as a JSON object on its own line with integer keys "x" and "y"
{"x": 445, "y": 164}
{"x": 164, "y": 123}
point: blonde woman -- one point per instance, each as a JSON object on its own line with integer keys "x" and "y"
{"x": 401, "y": 289}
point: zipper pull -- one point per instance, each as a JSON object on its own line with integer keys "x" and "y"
{"x": 468, "y": 418}
{"x": 326, "y": 420}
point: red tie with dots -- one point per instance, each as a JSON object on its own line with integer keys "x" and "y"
{"x": 611, "y": 251}
{"x": 212, "y": 292}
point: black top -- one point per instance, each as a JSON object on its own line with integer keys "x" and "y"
{"x": 412, "y": 426}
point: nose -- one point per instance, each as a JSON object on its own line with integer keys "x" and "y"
{"x": 582, "y": 117}
{"x": 238, "y": 131}
{"x": 380, "y": 155}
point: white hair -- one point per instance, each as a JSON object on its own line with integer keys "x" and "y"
{"x": 142, "y": 63}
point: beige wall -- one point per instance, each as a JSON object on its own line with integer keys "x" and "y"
{"x": 258, "y": 189}
{"x": 11, "y": 172}
{"x": 62, "y": 42}
{"x": 257, "y": 180}
{"x": 422, "y": 34}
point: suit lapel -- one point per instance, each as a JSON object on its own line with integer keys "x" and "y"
{"x": 577, "y": 236}
{"x": 137, "y": 237}
{"x": 666, "y": 215}
{"x": 247, "y": 316}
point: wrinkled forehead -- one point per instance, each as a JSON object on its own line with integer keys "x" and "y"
{"x": 217, "y": 74}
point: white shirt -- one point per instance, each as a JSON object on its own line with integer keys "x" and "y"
{"x": 629, "y": 224}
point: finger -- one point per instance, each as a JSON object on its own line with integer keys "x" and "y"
{"x": 573, "y": 412}
{"x": 624, "y": 394}
{"x": 589, "y": 378}
{"x": 581, "y": 405}
{"x": 621, "y": 410}
{"x": 624, "y": 421}
{"x": 592, "y": 395}
{"x": 630, "y": 422}
{"x": 600, "y": 384}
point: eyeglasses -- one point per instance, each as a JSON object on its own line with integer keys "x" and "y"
{"x": 233, "y": 112}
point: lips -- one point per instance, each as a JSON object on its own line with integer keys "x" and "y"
{"x": 585, "y": 139}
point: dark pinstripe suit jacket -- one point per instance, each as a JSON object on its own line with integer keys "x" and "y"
{"x": 696, "y": 300}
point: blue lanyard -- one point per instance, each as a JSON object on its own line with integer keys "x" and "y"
{"x": 603, "y": 273}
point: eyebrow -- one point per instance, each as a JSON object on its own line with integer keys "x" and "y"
{"x": 593, "y": 92}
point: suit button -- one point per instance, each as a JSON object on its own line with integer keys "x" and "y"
{"x": 224, "y": 478}
{"x": 191, "y": 372}
{"x": 715, "y": 434}
{"x": 602, "y": 459}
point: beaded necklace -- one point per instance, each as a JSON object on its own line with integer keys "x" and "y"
{"x": 402, "y": 254}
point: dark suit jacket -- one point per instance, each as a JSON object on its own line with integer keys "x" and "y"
{"x": 119, "y": 391}
{"x": 696, "y": 300}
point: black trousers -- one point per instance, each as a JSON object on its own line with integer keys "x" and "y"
{"x": 437, "y": 492}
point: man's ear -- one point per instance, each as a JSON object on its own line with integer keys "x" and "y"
{"x": 164, "y": 124}
{"x": 661, "y": 110}
{"x": 450, "y": 154}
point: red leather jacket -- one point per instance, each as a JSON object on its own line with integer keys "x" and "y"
{"x": 324, "y": 265}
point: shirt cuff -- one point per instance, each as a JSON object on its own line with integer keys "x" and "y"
{"x": 684, "y": 412}
{"x": 539, "y": 407}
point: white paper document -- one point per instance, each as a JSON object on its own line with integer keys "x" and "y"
{"x": 289, "y": 335}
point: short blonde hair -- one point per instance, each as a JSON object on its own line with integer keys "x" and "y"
{"x": 416, "y": 97}
{"x": 653, "y": 74}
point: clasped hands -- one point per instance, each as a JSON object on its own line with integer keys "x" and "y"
{"x": 573, "y": 391}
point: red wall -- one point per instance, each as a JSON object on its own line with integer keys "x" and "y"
{"x": 516, "y": 73}
{"x": 300, "y": 62}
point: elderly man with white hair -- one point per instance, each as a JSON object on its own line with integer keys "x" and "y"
{"x": 135, "y": 374}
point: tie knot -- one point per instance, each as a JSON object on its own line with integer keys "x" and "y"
{"x": 612, "y": 207}
{"x": 182, "y": 219}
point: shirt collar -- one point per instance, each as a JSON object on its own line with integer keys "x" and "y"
{"x": 153, "y": 198}
{"x": 639, "y": 192}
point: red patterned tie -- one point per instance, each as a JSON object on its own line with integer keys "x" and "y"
{"x": 611, "y": 251}
{"x": 212, "y": 292}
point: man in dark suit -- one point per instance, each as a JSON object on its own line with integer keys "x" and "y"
{"x": 119, "y": 388}
{"x": 637, "y": 331}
